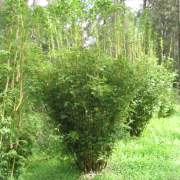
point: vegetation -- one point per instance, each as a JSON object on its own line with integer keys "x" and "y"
{"x": 76, "y": 79}
{"x": 154, "y": 155}
{"x": 152, "y": 97}
{"x": 89, "y": 96}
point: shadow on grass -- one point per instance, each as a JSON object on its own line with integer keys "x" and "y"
{"x": 52, "y": 169}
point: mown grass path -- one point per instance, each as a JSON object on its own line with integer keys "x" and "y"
{"x": 154, "y": 156}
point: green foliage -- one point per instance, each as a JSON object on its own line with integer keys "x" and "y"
{"x": 16, "y": 148}
{"x": 166, "y": 106}
{"x": 89, "y": 94}
{"x": 45, "y": 135}
{"x": 92, "y": 94}
{"x": 155, "y": 155}
{"x": 15, "y": 139}
{"x": 167, "y": 99}
{"x": 154, "y": 94}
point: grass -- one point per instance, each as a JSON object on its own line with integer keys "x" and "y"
{"x": 42, "y": 168}
{"x": 154, "y": 156}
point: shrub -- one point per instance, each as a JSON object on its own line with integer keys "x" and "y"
{"x": 167, "y": 100}
{"x": 154, "y": 90}
{"x": 88, "y": 95}
{"x": 166, "y": 106}
{"x": 13, "y": 155}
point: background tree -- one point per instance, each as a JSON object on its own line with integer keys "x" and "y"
{"x": 164, "y": 17}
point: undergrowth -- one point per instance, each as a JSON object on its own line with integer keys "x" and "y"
{"x": 154, "y": 156}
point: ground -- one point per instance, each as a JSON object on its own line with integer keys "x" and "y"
{"x": 154, "y": 156}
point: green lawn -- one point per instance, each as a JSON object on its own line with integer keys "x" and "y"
{"x": 154, "y": 156}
